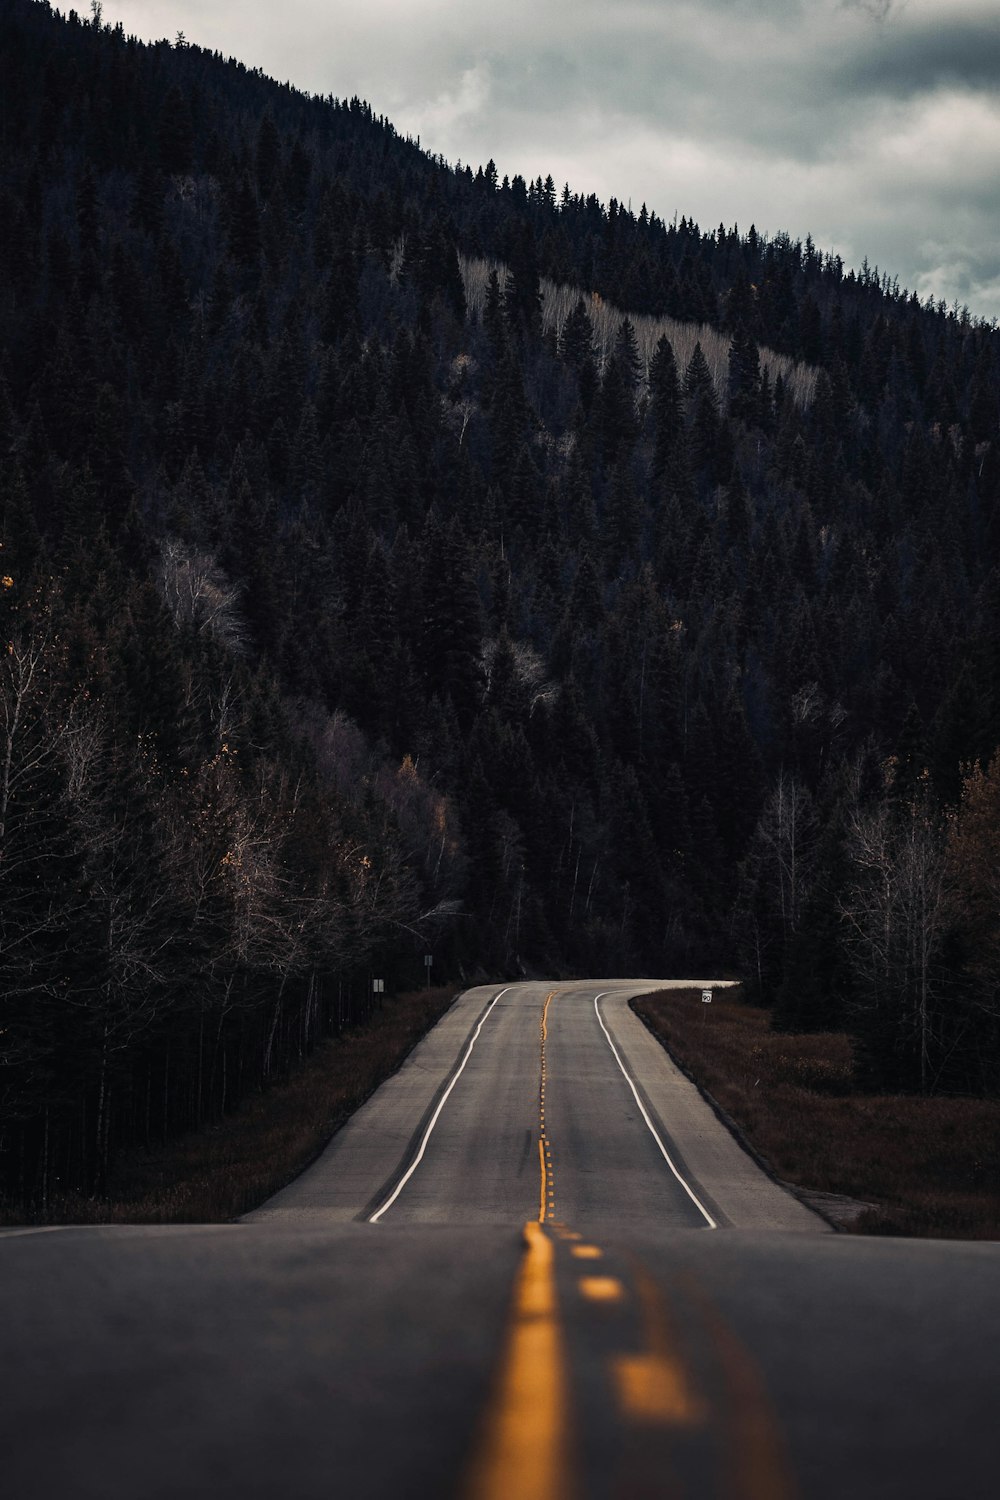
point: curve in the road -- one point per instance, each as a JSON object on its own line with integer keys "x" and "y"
{"x": 374, "y": 1218}
{"x": 619, "y": 1356}
{"x": 651, "y": 1127}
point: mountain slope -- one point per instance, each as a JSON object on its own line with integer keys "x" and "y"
{"x": 360, "y": 603}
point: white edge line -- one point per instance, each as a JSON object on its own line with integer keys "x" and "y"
{"x": 15, "y": 1234}
{"x": 652, "y": 1129}
{"x": 400, "y": 1185}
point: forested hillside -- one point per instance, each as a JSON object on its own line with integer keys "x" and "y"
{"x": 400, "y": 560}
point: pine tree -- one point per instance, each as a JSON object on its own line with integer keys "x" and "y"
{"x": 744, "y": 377}
{"x": 665, "y": 404}
{"x": 244, "y": 224}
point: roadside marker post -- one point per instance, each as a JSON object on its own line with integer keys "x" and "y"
{"x": 428, "y": 960}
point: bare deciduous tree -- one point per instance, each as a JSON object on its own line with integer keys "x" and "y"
{"x": 526, "y": 668}
{"x": 777, "y": 873}
{"x": 200, "y": 596}
{"x": 895, "y": 908}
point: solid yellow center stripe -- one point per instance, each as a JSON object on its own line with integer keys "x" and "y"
{"x": 524, "y": 1451}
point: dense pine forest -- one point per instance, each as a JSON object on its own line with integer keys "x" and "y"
{"x": 401, "y": 560}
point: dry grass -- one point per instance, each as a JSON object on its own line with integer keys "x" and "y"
{"x": 924, "y": 1166}
{"x": 213, "y": 1175}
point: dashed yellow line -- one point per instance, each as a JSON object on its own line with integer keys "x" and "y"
{"x": 759, "y": 1466}
{"x": 541, "y": 1195}
{"x": 654, "y": 1387}
{"x": 601, "y": 1289}
{"x": 652, "y": 1391}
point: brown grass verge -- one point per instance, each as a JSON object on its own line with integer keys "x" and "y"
{"x": 213, "y": 1175}
{"x": 913, "y": 1166}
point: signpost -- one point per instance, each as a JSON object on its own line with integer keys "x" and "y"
{"x": 378, "y": 986}
{"x": 706, "y": 997}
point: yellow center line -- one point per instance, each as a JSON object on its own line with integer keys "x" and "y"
{"x": 524, "y": 1446}
{"x": 586, "y": 1252}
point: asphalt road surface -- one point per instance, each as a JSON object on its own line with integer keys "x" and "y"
{"x": 533, "y": 1266}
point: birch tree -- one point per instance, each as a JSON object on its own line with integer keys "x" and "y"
{"x": 895, "y": 911}
{"x": 776, "y": 879}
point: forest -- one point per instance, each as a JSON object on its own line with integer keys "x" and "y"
{"x": 401, "y": 560}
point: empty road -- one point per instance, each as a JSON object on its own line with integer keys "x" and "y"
{"x": 534, "y": 1264}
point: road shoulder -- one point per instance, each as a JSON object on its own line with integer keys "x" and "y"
{"x": 373, "y": 1146}
{"x": 746, "y": 1197}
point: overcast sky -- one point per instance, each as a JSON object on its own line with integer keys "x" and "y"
{"x": 874, "y": 125}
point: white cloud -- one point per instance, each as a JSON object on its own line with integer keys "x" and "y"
{"x": 454, "y": 109}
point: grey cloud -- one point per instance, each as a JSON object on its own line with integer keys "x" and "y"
{"x": 964, "y": 55}
{"x": 879, "y": 10}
